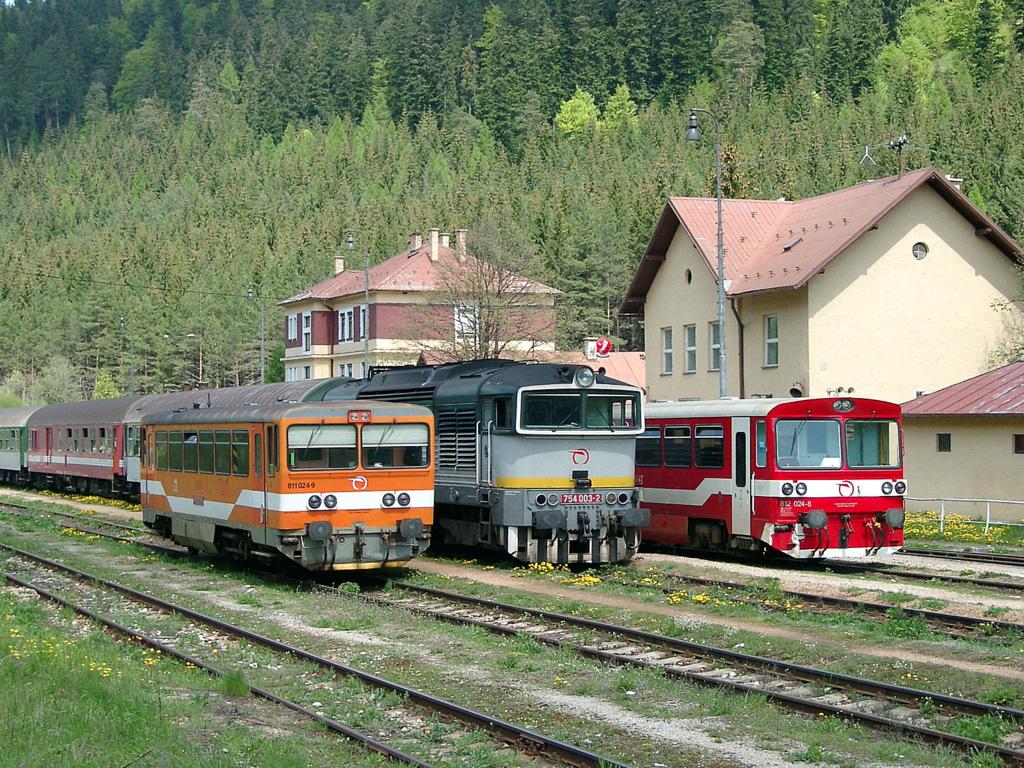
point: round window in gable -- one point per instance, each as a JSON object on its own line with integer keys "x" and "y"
{"x": 689, "y": 277}
{"x": 920, "y": 250}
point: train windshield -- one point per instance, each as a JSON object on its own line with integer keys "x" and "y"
{"x": 808, "y": 444}
{"x": 873, "y": 443}
{"x": 577, "y": 410}
{"x": 321, "y": 446}
{"x": 395, "y": 445}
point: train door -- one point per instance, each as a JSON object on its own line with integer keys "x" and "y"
{"x": 741, "y": 476}
{"x": 49, "y": 443}
{"x": 261, "y": 475}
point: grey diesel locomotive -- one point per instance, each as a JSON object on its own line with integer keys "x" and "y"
{"x": 535, "y": 460}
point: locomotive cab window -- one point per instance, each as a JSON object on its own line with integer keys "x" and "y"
{"x": 498, "y": 412}
{"x": 321, "y": 446}
{"x": 552, "y": 411}
{"x": 648, "y": 448}
{"x": 873, "y": 443}
{"x": 395, "y": 445}
{"x": 808, "y": 444}
{"x": 610, "y": 411}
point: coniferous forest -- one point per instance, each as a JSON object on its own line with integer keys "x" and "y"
{"x": 164, "y": 164}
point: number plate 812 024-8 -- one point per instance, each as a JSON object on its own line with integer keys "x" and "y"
{"x": 581, "y": 498}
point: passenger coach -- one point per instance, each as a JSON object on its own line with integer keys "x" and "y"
{"x": 330, "y": 486}
{"x": 805, "y": 478}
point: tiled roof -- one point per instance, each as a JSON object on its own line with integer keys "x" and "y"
{"x": 996, "y": 392}
{"x": 624, "y": 366}
{"x": 771, "y": 245}
{"x": 411, "y": 270}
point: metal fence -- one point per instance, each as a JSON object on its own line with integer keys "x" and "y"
{"x": 988, "y": 522}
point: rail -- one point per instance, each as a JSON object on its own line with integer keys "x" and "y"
{"x": 989, "y": 522}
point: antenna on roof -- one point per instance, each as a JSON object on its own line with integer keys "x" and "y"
{"x": 867, "y": 156}
{"x": 898, "y": 145}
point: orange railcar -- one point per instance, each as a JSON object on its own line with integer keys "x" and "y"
{"x": 330, "y": 486}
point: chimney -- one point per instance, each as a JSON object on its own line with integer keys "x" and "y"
{"x": 460, "y": 244}
{"x": 415, "y": 241}
{"x": 432, "y": 234}
{"x": 339, "y": 264}
{"x": 445, "y": 240}
{"x": 955, "y": 181}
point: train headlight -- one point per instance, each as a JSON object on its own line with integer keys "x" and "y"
{"x": 787, "y": 489}
{"x": 900, "y": 487}
{"x": 404, "y": 499}
{"x": 801, "y": 489}
{"x": 584, "y": 376}
{"x": 314, "y": 502}
{"x": 330, "y": 501}
{"x": 886, "y": 487}
{"x": 541, "y": 499}
{"x": 610, "y": 498}
{"x": 552, "y": 499}
{"x": 388, "y": 500}
{"x": 623, "y": 498}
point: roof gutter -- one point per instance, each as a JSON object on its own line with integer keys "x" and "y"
{"x": 734, "y": 303}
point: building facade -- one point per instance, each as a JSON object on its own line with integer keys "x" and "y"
{"x": 966, "y": 441}
{"x": 884, "y": 289}
{"x": 434, "y": 297}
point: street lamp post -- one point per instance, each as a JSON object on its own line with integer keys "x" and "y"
{"x": 263, "y": 333}
{"x": 693, "y": 133}
{"x": 364, "y": 322}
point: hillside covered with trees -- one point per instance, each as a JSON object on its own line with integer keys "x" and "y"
{"x": 160, "y": 158}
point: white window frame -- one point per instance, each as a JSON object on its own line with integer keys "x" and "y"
{"x": 307, "y": 371}
{"x": 666, "y": 351}
{"x": 364, "y": 321}
{"x": 466, "y": 322}
{"x": 293, "y": 327}
{"x": 771, "y": 341}
{"x": 345, "y": 325}
{"x": 714, "y": 348}
{"x": 307, "y": 333}
{"x": 690, "y": 342}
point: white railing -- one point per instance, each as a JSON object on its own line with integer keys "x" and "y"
{"x": 988, "y": 522}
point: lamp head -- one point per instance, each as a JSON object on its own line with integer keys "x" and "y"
{"x": 248, "y": 293}
{"x": 692, "y": 129}
{"x": 350, "y": 242}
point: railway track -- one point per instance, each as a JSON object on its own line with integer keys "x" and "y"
{"x": 939, "y": 578}
{"x": 968, "y": 557}
{"x": 912, "y": 712}
{"x": 531, "y": 744}
{"x": 949, "y": 624}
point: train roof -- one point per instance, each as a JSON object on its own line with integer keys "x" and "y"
{"x": 273, "y": 412}
{"x": 83, "y": 412}
{"x": 756, "y": 406}
{"x": 460, "y": 382}
{"x": 17, "y": 417}
{"x": 226, "y": 397}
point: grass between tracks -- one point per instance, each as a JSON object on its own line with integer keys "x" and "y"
{"x": 639, "y": 716}
{"x": 74, "y": 696}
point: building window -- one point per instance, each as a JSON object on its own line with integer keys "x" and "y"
{"x": 345, "y": 329}
{"x": 307, "y": 371}
{"x": 1018, "y": 443}
{"x": 466, "y": 322}
{"x": 364, "y": 322}
{"x": 666, "y": 350}
{"x": 943, "y": 442}
{"x": 715, "y": 337}
{"x": 293, "y": 327}
{"x": 771, "y": 341}
{"x": 690, "y": 337}
{"x": 307, "y": 332}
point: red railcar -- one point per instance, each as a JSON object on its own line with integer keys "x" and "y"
{"x": 806, "y": 478}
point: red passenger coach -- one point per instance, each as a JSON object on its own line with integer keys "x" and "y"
{"x": 806, "y": 478}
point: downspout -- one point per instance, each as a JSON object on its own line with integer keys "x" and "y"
{"x": 739, "y": 336}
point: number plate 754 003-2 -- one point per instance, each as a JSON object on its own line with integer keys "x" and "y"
{"x": 581, "y": 498}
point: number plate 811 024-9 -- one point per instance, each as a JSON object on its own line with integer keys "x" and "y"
{"x": 581, "y": 498}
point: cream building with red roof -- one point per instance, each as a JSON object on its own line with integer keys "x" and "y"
{"x": 885, "y": 289}
{"x": 410, "y": 311}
